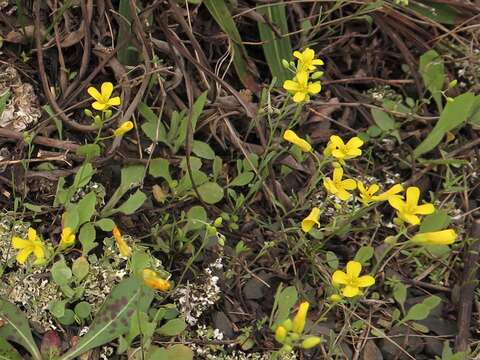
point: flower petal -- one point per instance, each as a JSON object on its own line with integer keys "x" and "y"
{"x": 365, "y": 280}
{"x": 354, "y": 268}
{"x": 330, "y": 186}
{"x": 19, "y": 243}
{"x": 361, "y": 187}
{"x": 349, "y": 184}
{"x": 311, "y": 219}
{"x": 317, "y": 62}
{"x": 409, "y": 218}
{"x": 343, "y": 195}
{"x": 308, "y": 55}
{"x": 354, "y": 153}
{"x": 32, "y": 234}
{"x": 350, "y": 291}
{"x": 314, "y": 88}
{"x": 336, "y": 141}
{"x": 396, "y": 202}
{"x": 298, "y": 55}
{"x": 99, "y": 106}
{"x": 23, "y": 255}
{"x": 337, "y": 174}
{"x": 339, "y": 278}
{"x": 302, "y": 78}
{"x": 107, "y": 90}
{"x": 115, "y": 101}
{"x": 39, "y": 251}
{"x": 444, "y": 237}
{"x": 299, "y": 97}
{"x": 94, "y": 93}
{"x": 425, "y": 209}
{"x": 413, "y": 194}
{"x": 290, "y": 85}
{"x": 373, "y": 189}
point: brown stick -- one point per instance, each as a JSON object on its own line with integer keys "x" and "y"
{"x": 14, "y": 136}
{"x": 469, "y": 283}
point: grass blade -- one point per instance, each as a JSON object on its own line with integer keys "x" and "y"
{"x": 220, "y": 12}
{"x": 275, "y": 48}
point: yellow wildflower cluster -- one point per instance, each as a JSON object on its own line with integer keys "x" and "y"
{"x": 289, "y": 333}
{"x": 300, "y": 86}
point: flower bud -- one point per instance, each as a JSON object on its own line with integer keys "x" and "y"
{"x": 311, "y": 341}
{"x": 88, "y": 112}
{"x": 108, "y": 114}
{"x": 317, "y": 75}
{"x": 285, "y": 64}
{"x": 280, "y": 334}
{"x": 453, "y": 84}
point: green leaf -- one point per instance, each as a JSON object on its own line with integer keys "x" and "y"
{"x": 275, "y": 48}
{"x": 16, "y": 329}
{"x": 441, "y": 13}
{"x": 432, "y": 301}
{"x": 89, "y": 151}
{"x": 68, "y": 318}
{"x": 203, "y": 150}
{"x": 83, "y": 176}
{"x": 61, "y": 273}
{"x": 332, "y": 260}
{"x": 210, "y": 192}
{"x": 195, "y": 113}
{"x": 83, "y": 310}
{"x": 173, "y": 327}
{"x": 57, "y": 308}
{"x": 220, "y": 12}
{"x": 196, "y": 217}
{"x": 364, "y": 254}
{"x": 243, "y": 179}
{"x": 113, "y": 319}
{"x": 152, "y": 123}
{"x": 131, "y": 204}
{"x": 160, "y": 168}
{"x": 454, "y": 114}
{"x": 437, "y": 221}
{"x": 71, "y": 218}
{"x": 3, "y": 101}
{"x": 86, "y": 208}
{"x": 127, "y": 55}
{"x": 180, "y": 352}
{"x": 87, "y": 238}
{"x": 80, "y": 268}
{"x": 7, "y": 351}
{"x": 285, "y": 299}
{"x": 400, "y": 293}
{"x": 383, "y": 120}
{"x": 58, "y": 123}
{"x": 433, "y": 74}
{"x": 105, "y": 224}
{"x": 417, "y": 312}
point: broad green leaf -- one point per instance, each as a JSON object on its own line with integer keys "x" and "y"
{"x": 71, "y": 218}
{"x": 220, "y": 12}
{"x": 153, "y": 127}
{"x": 195, "y": 113}
{"x": 203, "y": 150}
{"x": 127, "y": 55}
{"x": 364, "y": 254}
{"x": 196, "y": 217}
{"x": 173, "y": 327}
{"x": 57, "y": 308}
{"x": 243, "y": 179}
{"x": 113, "y": 318}
{"x": 61, "y": 273}
{"x": 210, "y": 192}
{"x": 86, "y": 208}
{"x": 441, "y": 13}
{"x": 132, "y": 204}
{"x": 105, "y": 224}
{"x": 83, "y": 176}
{"x": 400, "y": 293}
{"x": 16, "y": 329}
{"x": 417, "y": 312}
{"x": 383, "y": 120}
{"x": 80, "y": 268}
{"x": 83, "y": 310}
{"x": 437, "y": 221}
{"x": 454, "y": 114}
{"x": 433, "y": 74}
{"x": 285, "y": 299}
{"x": 432, "y": 301}
{"x": 87, "y": 238}
{"x": 88, "y": 151}
{"x": 68, "y": 318}
{"x": 3, "y": 101}
{"x": 7, "y": 351}
{"x": 180, "y": 352}
{"x": 160, "y": 168}
{"x": 275, "y": 48}
{"x": 332, "y": 260}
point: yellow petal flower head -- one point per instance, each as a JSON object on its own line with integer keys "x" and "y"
{"x": 306, "y": 60}
{"x": 103, "y": 99}
{"x": 409, "y": 209}
{"x": 301, "y": 88}
{"x": 153, "y": 281}
{"x": 292, "y": 137}
{"x": 337, "y": 186}
{"x": 367, "y": 194}
{"x": 311, "y": 219}
{"x": 338, "y": 149}
{"x": 28, "y": 246}
{"x": 392, "y": 192}
{"x": 122, "y": 245}
{"x": 444, "y": 237}
{"x": 67, "y": 239}
{"x": 300, "y": 318}
{"x": 124, "y": 128}
{"x": 351, "y": 281}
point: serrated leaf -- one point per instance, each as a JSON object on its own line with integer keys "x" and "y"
{"x": 16, "y": 328}
{"x": 113, "y": 318}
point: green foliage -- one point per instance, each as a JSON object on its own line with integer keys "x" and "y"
{"x": 3, "y": 101}
{"x": 211, "y": 192}
{"x": 433, "y": 74}
{"x": 7, "y": 351}
{"x": 435, "y": 222}
{"x": 275, "y": 45}
{"x": 364, "y": 254}
{"x": 173, "y": 327}
{"x": 455, "y": 114}
{"x": 422, "y": 310}
{"x": 177, "y": 352}
{"x": 16, "y": 329}
{"x": 285, "y": 298}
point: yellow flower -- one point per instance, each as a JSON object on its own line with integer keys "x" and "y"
{"x": 67, "y": 239}
{"x": 292, "y": 137}
{"x": 311, "y": 219}
{"x": 122, "y": 245}
{"x": 311, "y": 342}
{"x": 103, "y": 99}
{"x": 367, "y": 195}
{"x": 28, "y": 246}
{"x": 444, "y": 237}
{"x": 124, "y": 128}
{"x": 392, "y": 192}
{"x": 351, "y": 280}
{"x": 306, "y": 60}
{"x": 280, "y": 334}
{"x": 152, "y": 280}
{"x": 338, "y": 149}
{"x": 300, "y": 318}
{"x": 409, "y": 209}
{"x": 301, "y": 88}
{"x": 337, "y": 186}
